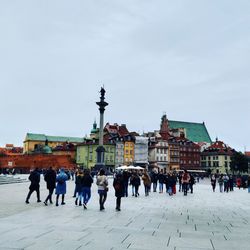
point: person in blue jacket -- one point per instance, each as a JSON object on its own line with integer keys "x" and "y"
{"x": 61, "y": 179}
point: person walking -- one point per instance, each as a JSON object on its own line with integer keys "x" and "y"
{"x": 161, "y": 178}
{"x": 239, "y": 181}
{"x": 220, "y": 181}
{"x": 118, "y": 185}
{"x": 154, "y": 179}
{"x": 248, "y": 183}
{"x": 213, "y": 182}
{"x": 87, "y": 181}
{"x": 102, "y": 183}
{"x": 170, "y": 183}
{"x": 185, "y": 181}
{"x": 79, "y": 187}
{"x": 231, "y": 183}
{"x": 191, "y": 183}
{"x": 135, "y": 182}
{"x": 131, "y": 182}
{"x": 61, "y": 179}
{"x": 34, "y": 178}
{"x": 76, "y": 173}
{"x": 50, "y": 179}
{"x": 179, "y": 180}
{"x": 126, "y": 176}
{"x": 226, "y": 183}
{"x": 146, "y": 181}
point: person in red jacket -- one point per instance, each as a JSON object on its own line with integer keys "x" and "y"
{"x": 185, "y": 181}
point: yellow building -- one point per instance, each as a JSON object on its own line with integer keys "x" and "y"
{"x": 33, "y": 141}
{"x": 129, "y": 152}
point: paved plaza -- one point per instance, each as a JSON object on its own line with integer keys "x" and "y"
{"x": 200, "y": 221}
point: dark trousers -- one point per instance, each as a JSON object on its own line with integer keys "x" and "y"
{"x": 191, "y": 188}
{"x": 226, "y": 187}
{"x": 37, "y": 193}
{"x": 49, "y": 197}
{"x": 57, "y": 198}
{"x": 154, "y": 186}
{"x": 86, "y": 193}
{"x": 180, "y": 187}
{"x": 136, "y": 191}
{"x": 185, "y": 188}
{"x": 118, "y": 202}
{"x": 126, "y": 189}
{"x": 102, "y": 199}
{"x": 147, "y": 188}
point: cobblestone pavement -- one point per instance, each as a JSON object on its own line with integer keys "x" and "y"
{"x": 200, "y": 221}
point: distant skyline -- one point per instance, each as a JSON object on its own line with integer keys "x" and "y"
{"x": 189, "y": 59}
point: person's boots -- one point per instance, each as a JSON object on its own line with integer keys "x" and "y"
{"x": 38, "y": 197}
{"x": 57, "y": 201}
{"x": 63, "y": 203}
{"x": 76, "y": 201}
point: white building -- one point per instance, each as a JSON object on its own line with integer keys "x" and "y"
{"x": 119, "y": 153}
{"x": 141, "y": 150}
{"x": 158, "y": 152}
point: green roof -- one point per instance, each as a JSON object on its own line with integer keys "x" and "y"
{"x": 43, "y": 137}
{"x": 196, "y": 132}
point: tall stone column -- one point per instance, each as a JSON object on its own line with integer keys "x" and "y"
{"x": 100, "y": 149}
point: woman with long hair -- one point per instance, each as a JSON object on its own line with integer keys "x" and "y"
{"x": 102, "y": 183}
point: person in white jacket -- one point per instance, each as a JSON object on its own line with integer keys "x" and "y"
{"x": 102, "y": 183}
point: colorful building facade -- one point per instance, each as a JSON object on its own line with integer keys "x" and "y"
{"x": 86, "y": 155}
{"x": 217, "y": 157}
{"x": 33, "y": 141}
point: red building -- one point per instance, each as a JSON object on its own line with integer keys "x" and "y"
{"x": 10, "y": 149}
{"x": 24, "y": 163}
{"x": 189, "y": 154}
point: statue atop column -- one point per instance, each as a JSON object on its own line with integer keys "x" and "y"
{"x": 100, "y": 149}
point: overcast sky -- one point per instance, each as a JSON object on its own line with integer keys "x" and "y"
{"x": 189, "y": 59}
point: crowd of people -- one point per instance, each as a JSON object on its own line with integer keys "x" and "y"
{"x": 157, "y": 181}
{"x": 229, "y": 182}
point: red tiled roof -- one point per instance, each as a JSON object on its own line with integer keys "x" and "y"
{"x": 219, "y": 145}
{"x": 116, "y": 129}
{"x": 247, "y": 153}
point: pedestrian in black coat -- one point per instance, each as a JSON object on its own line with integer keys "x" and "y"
{"x": 118, "y": 185}
{"x": 125, "y": 175}
{"x": 34, "y": 186}
{"x": 50, "y": 179}
{"x": 161, "y": 178}
{"x": 191, "y": 183}
{"x": 136, "y": 182}
{"x": 154, "y": 178}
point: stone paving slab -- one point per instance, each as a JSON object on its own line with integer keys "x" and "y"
{"x": 202, "y": 221}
